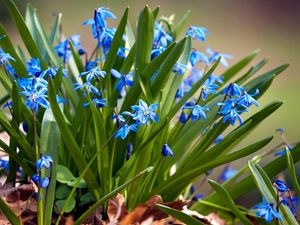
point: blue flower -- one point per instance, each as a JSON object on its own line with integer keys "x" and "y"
{"x": 197, "y": 56}
{"x": 198, "y": 33}
{"x": 93, "y": 73}
{"x": 214, "y": 55}
{"x": 35, "y": 178}
{"x": 198, "y": 112}
{"x": 125, "y": 129}
{"x": 124, "y": 79}
{"x": 44, "y": 161}
{"x": 233, "y": 90}
{"x": 87, "y": 86}
{"x": 100, "y": 16}
{"x": 161, "y": 38}
{"x": 228, "y": 173}
{"x": 34, "y": 67}
{"x": 63, "y": 49}
{"x": 281, "y": 186}
{"x": 167, "y": 151}
{"x": 266, "y": 211}
{"x": 98, "y": 102}
{"x": 283, "y": 151}
{"x": 143, "y": 113}
{"x": 247, "y": 99}
{"x": 208, "y": 88}
{"x": 52, "y": 71}
{"x": 292, "y": 203}
{"x": 44, "y": 182}
{"x": 183, "y": 117}
{"x": 179, "y": 68}
{"x": 5, "y": 57}
{"x": 35, "y": 98}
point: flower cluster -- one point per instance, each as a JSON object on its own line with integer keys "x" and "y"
{"x": 34, "y": 87}
{"x": 101, "y": 32}
{"x": 43, "y": 162}
{"x": 142, "y": 114}
{"x": 238, "y": 102}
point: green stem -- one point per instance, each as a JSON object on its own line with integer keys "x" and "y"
{"x": 40, "y": 202}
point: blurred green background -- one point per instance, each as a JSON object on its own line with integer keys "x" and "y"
{"x": 237, "y": 27}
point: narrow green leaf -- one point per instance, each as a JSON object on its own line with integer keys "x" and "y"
{"x": 116, "y": 42}
{"x": 252, "y": 71}
{"x": 49, "y": 145}
{"x": 103, "y": 157}
{"x": 8, "y": 47}
{"x": 24, "y": 32}
{"x": 182, "y": 23}
{"x": 46, "y": 41}
{"x": 110, "y": 195}
{"x": 55, "y": 28}
{"x": 155, "y": 12}
{"x": 172, "y": 187}
{"x": 76, "y": 57}
{"x": 145, "y": 87}
{"x": 67, "y": 136}
{"x": 233, "y": 70}
{"x": 292, "y": 171}
{"x": 147, "y": 73}
{"x": 224, "y": 195}
{"x": 164, "y": 72}
{"x": 179, "y": 215}
{"x": 144, "y": 39}
{"x": 8, "y": 213}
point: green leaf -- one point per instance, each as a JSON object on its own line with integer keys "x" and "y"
{"x": 46, "y": 41}
{"x": 116, "y": 43}
{"x": 145, "y": 87}
{"x": 8, "y": 47}
{"x": 179, "y": 215}
{"x": 49, "y": 144}
{"x": 172, "y": 186}
{"x": 86, "y": 198}
{"x": 110, "y": 195}
{"x": 60, "y": 203}
{"x": 64, "y": 175}
{"x": 147, "y": 73}
{"x": 292, "y": 171}
{"x": 8, "y": 213}
{"x": 68, "y": 138}
{"x": 144, "y": 39}
{"x": 24, "y": 32}
{"x": 182, "y": 23}
{"x": 76, "y": 57}
{"x": 224, "y": 195}
{"x": 233, "y": 70}
{"x": 101, "y": 146}
{"x": 55, "y": 28}
{"x": 166, "y": 68}
{"x": 62, "y": 191}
